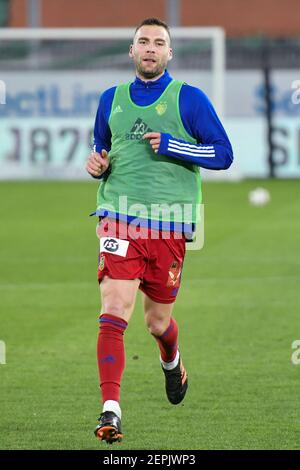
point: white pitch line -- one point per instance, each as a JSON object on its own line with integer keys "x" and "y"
{"x": 243, "y": 279}
{"x": 44, "y": 285}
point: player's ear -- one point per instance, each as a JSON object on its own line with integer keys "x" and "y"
{"x": 170, "y": 54}
{"x": 130, "y": 51}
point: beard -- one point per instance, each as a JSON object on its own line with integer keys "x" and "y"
{"x": 154, "y": 72}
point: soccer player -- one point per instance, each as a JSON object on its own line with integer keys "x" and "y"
{"x": 150, "y": 138}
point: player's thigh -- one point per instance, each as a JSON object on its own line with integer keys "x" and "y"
{"x": 157, "y": 315}
{"x": 162, "y": 276}
{"x": 118, "y": 296}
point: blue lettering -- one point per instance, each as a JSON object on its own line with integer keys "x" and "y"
{"x": 42, "y": 102}
{"x": 24, "y": 102}
{"x": 55, "y": 99}
{"x": 78, "y": 102}
{"x": 50, "y": 101}
{"x": 91, "y": 102}
{"x": 281, "y": 101}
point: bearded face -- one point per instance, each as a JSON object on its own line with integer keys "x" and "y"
{"x": 151, "y": 51}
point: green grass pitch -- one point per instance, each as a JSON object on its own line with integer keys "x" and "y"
{"x": 238, "y": 313}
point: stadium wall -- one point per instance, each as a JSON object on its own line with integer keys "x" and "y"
{"x": 275, "y": 18}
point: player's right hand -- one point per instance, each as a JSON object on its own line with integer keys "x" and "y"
{"x": 97, "y": 163}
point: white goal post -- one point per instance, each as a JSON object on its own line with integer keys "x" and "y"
{"x": 53, "y": 78}
{"x": 215, "y": 34}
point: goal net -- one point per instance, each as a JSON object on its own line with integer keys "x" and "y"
{"x": 51, "y": 82}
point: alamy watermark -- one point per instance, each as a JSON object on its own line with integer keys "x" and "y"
{"x": 296, "y": 354}
{"x": 2, "y": 92}
{"x": 2, "y": 352}
{"x": 296, "y": 93}
{"x": 162, "y": 220}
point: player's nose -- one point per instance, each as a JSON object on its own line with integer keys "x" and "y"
{"x": 151, "y": 48}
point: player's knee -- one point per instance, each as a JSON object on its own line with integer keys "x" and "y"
{"x": 156, "y": 326}
{"x": 116, "y": 304}
{"x": 113, "y": 309}
{"x": 156, "y": 330}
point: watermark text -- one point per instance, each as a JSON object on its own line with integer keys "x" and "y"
{"x": 296, "y": 93}
{"x": 2, "y": 352}
{"x": 296, "y": 354}
{"x": 2, "y": 92}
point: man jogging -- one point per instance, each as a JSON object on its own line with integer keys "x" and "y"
{"x": 151, "y": 136}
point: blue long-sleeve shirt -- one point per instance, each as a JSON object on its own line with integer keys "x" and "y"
{"x": 213, "y": 150}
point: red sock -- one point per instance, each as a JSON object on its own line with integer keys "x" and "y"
{"x": 167, "y": 342}
{"x": 111, "y": 355}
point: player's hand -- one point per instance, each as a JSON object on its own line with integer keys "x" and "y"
{"x": 154, "y": 139}
{"x": 97, "y": 163}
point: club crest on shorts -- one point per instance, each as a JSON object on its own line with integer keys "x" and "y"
{"x": 101, "y": 262}
{"x": 174, "y": 274}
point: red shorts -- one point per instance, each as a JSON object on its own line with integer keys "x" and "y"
{"x": 154, "y": 257}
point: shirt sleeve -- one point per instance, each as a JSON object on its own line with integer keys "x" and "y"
{"x": 102, "y": 132}
{"x": 213, "y": 149}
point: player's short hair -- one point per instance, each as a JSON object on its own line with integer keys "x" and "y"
{"x": 153, "y": 22}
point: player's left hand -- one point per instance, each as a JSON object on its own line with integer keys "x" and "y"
{"x": 154, "y": 139}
